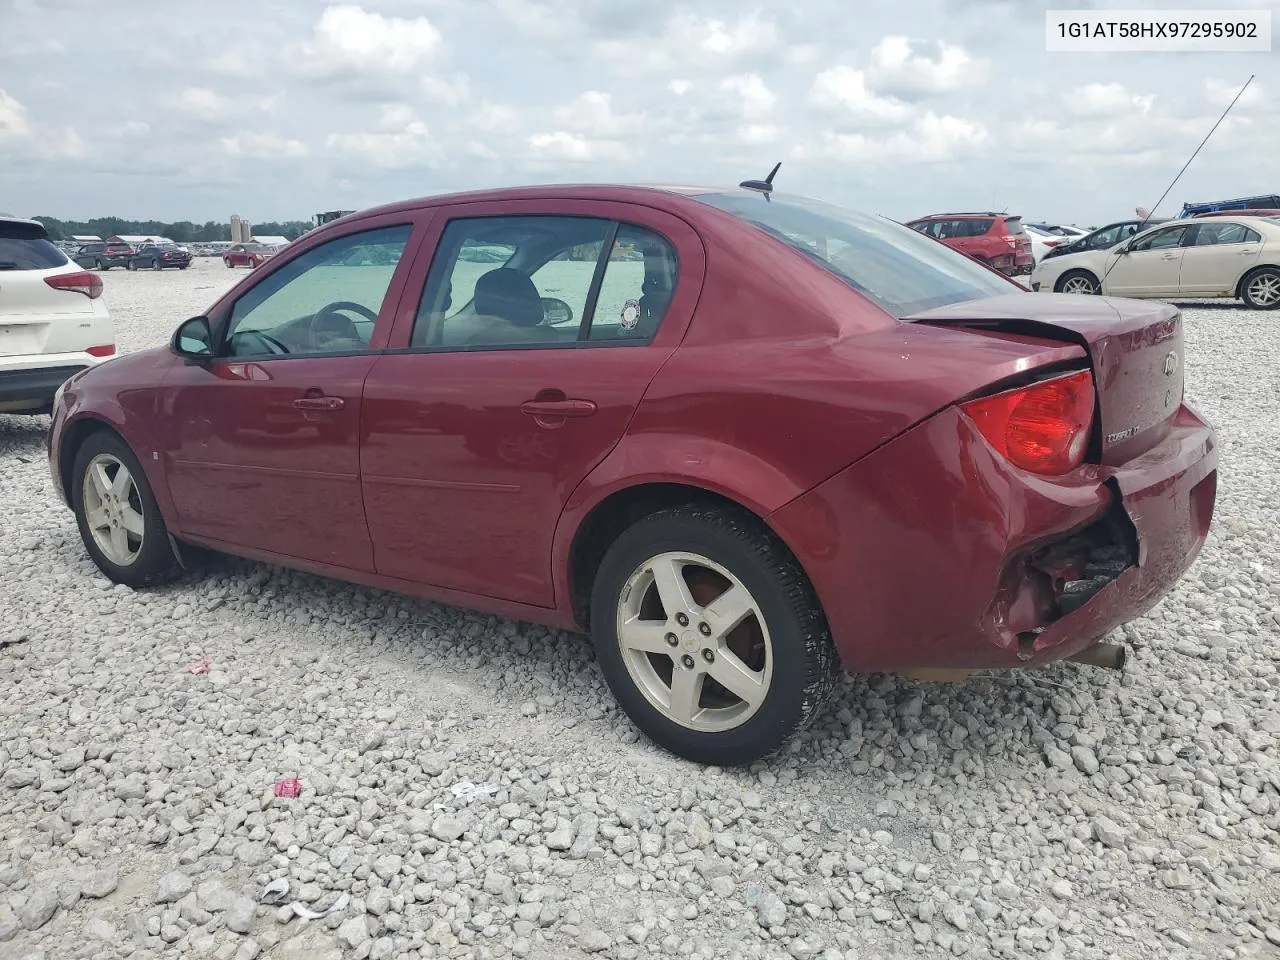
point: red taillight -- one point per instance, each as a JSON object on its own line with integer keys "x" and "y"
{"x": 1043, "y": 428}
{"x": 1052, "y": 243}
{"x": 105, "y": 350}
{"x": 90, "y": 284}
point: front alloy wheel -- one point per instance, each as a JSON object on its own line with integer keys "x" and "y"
{"x": 117, "y": 514}
{"x": 1079, "y": 281}
{"x": 1262, "y": 290}
{"x": 113, "y": 509}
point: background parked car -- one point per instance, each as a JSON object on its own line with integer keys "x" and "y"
{"x": 1042, "y": 241}
{"x": 53, "y": 322}
{"x": 1197, "y": 257}
{"x": 103, "y": 256}
{"x": 1260, "y": 212}
{"x": 1269, "y": 201}
{"x": 1065, "y": 230}
{"x": 1103, "y": 238}
{"x": 996, "y": 239}
{"x": 157, "y": 256}
{"x": 249, "y": 255}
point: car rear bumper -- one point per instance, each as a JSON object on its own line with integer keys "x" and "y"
{"x": 29, "y": 383}
{"x": 934, "y": 553}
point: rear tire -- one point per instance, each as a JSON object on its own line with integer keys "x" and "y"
{"x": 677, "y": 574}
{"x": 1078, "y": 281}
{"x": 155, "y": 265}
{"x": 1261, "y": 289}
{"x": 117, "y": 514}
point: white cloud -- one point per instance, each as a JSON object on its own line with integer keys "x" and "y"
{"x": 13, "y": 117}
{"x": 350, "y": 39}
{"x": 573, "y": 148}
{"x": 592, "y": 113}
{"x": 198, "y": 101}
{"x": 679, "y": 87}
{"x": 755, "y": 100}
{"x": 1105, "y": 100}
{"x": 1221, "y": 92}
{"x": 758, "y": 134}
{"x": 844, "y": 89}
{"x": 689, "y": 40}
{"x": 410, "y": 147}
{"x": 493, "y": 118}
{"x": 450, "y": 93}
{"x": 929, "y": 138}
{"x": 263, "y": 146}
{"x": 901, "y": 66}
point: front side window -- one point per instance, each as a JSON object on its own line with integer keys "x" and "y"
{"x": 324, "y": 301}
{"x": 892, "y": 265}
{"x": 1161, "y": 239}
{"x": 1211, "y": 234}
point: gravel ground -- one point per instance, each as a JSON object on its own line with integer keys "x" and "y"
{"x": 469, "y": 789}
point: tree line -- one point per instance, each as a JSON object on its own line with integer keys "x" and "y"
{"x": 183, "y": 231}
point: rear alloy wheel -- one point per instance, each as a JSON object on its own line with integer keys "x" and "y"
{"x": 117, "y": 514}
{"x": 1078, "y": 281}
{"x": 155, "y": 265}
{"x": 710, "y": 635}
{"x": 1261, "y": 289}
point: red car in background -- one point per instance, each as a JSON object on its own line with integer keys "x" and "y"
{"x": 996, "y": 239}
{"x": 249, "y": 255}
{"x": 742, "y": 438}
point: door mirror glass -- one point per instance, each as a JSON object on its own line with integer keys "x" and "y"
{"x": 194, "y": 339}
{"x": 555, "y": 311}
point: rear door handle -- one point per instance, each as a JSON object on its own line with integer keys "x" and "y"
{"x": 318, "y": 403}
{"x": 1170, "y": 256}
{"x": 558, "y": 408}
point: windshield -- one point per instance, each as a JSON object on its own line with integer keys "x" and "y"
{"x": 25, "y": 246}
{"x": 893, "y": 265}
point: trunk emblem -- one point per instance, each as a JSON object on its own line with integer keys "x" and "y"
{"x": 1170, "y": 364}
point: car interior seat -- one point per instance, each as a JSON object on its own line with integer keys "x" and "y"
{"x": 510, "y": 298}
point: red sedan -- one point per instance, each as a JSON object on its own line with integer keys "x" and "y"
{"x": 742, "y": 439}
{"x": 249, "y": 255}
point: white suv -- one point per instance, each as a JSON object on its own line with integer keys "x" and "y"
{"x": 52, "y": 318}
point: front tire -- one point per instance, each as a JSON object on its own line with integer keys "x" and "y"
{"x": 117, "y": 514}
{"x": 1261, "y": 289}
{"x": 1078, "y": 281}
{"x": 753, "y": 659}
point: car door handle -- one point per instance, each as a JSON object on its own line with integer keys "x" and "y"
{"x": 558, "y": 408}
{"x": 318, "y": 403}
{"x": 1170, "y": 256}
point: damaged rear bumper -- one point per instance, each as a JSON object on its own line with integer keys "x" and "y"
{"x": 935, "y": 553}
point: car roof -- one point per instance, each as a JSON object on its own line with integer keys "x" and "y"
{"x": 623, "y": 192}
{"x": 971, "y": 213}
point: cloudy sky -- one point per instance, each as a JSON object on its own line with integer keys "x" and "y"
{"x": 277, "y": 109}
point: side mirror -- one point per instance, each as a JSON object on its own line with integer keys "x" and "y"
{"x": 556, "y": 311}
{"x": 194, "y": 340}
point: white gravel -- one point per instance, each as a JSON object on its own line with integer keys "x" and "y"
{"x": 469, "y": 789}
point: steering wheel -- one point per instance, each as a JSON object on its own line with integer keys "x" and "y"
{"x": 328, "y": 324}
{"x": 273, "y": 345}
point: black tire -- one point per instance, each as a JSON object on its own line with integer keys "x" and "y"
{"x": 103, "y": 266}
{"x": 1078, "y": 275}
{"x": 1252, "y": 279}
{"x": 155, "y": 265}
{"x": 804, "y": 662}
{"x": 155, "y": 561}
{"x": 228, "y": 265}
{"x": 183, "y": 266}
{"x": 98, "y": 265}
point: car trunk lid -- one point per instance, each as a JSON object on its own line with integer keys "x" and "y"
{"x": 1135, "y": 349}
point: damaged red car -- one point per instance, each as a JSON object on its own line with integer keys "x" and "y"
{"x": 743, "y": 439}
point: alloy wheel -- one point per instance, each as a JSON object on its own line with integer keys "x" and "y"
{"x": 1078, "y": 285}
{"x": 695, "y": 642}
{"x": 1264, "y": 289}
{"x": 113, "y": 509}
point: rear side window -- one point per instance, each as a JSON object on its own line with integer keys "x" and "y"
{"x": 638, "y": 283}
{"x": 27, "y": 247}
{"x": 1215, "y": 233}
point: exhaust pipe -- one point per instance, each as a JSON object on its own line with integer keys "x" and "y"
{"x": 1109, "y": 655}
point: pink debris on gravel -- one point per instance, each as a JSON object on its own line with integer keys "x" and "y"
{"x": 288, "y": 788}
{"x": 201, "y": 666}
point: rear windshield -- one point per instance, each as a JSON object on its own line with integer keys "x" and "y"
{"x": 1013, "y": 225}
{"x": 893, "y": 265}
{"x": 26, "y": 247}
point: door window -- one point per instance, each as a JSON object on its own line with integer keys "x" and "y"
{"x": 510, "y": 281}
{"x": 322, "y": 302}
{"x": 638, "y": 283}
{"x": 1212, "y": 234}
{"x": 1160, "y": 240}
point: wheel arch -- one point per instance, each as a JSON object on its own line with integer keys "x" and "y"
{"x": 621, "y": 508}
{"x": 1244, "y": 277}
{"x": 73, "y": 438}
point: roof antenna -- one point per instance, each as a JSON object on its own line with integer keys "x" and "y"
{"x": 765, "y": 186}
{"x": 1151, "y": 210}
